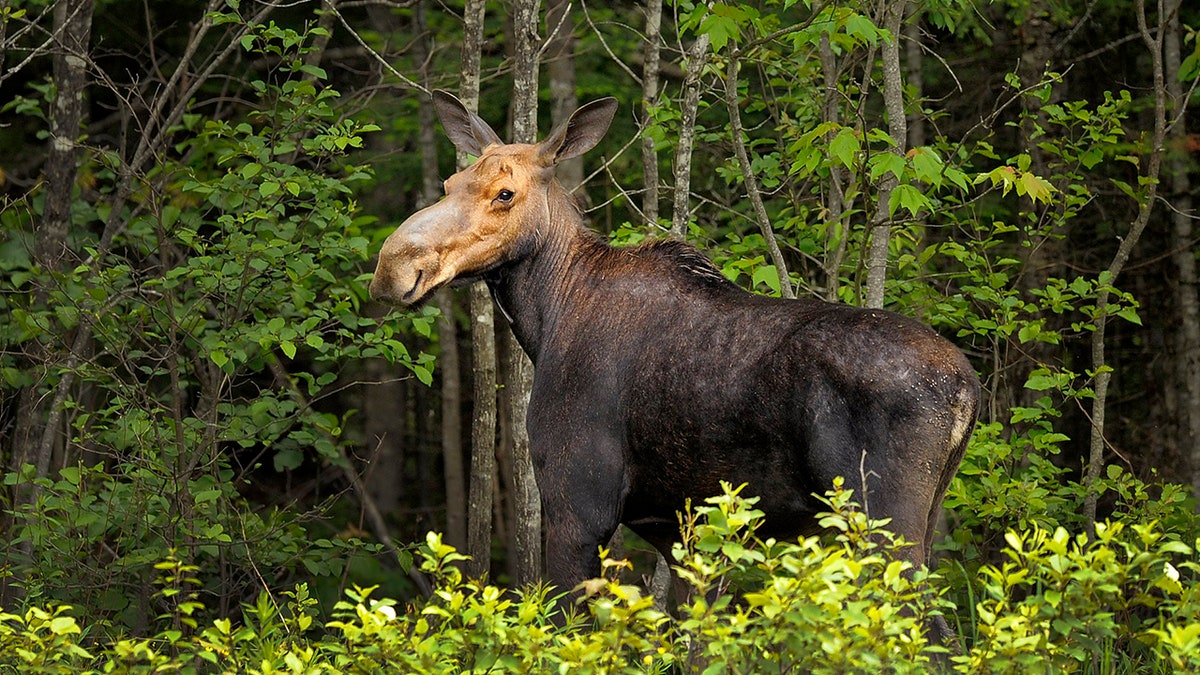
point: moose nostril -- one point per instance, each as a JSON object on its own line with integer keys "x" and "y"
{"x": 415, "y": 285}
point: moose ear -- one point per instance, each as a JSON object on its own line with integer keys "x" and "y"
{"x": 580, "y": 133}
{"x": 466, "y": 130}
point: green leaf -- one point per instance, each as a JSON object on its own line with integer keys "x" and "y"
{"x": 63, "y": 625}
{"x": 720, "y": 29}
{"x": 1130, "y": 314}
{"x": 886, "y": 162}
{"x": 1029, "y": 332}
{"x": 1124, "y": 187}
{"x": 845, "y": 146}
{"x": 910, "y": 198}
{"x": 207, "y": 496}
{"x": 767, "y": 274}
{"x": 71, "y": 474}
{"x": 422, "y": 374}
{"x": 1038, "y": 189}
{"x": 288, "y": 459}
{"x": 927, "y": 165}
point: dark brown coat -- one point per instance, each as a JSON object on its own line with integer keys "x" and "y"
{"x": 656, "y": 378}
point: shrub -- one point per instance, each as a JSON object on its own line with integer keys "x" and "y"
{"x": 1125, "y": 601}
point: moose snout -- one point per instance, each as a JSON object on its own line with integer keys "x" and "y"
{"x": 403, "y": 276}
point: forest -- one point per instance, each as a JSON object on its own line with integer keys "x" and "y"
{"x": 219, "y": 455}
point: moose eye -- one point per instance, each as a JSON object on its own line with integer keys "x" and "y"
{"x": 504, "y": 196}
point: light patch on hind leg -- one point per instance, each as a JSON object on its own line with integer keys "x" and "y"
{"x": 964, "y": 417}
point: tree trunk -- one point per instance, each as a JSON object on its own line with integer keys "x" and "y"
{"x": 73, "y": 24}
{"x": 386, "y": 423}
{"x": 1042, "y": 256}
{"x": 837, "y": 232}
{"x": 893, "y": 98}
{"x": 483, "y": 483}
{"x": 1154, "y": 43}
{"x": 39, "y": 425}
{"x": 453, "y": 476}
{"x": 689, "y": 106}
{"x": 1183, "y": 255}
{"x": 915, "y": 80}
{"x": 483, "y": 432}
{"x": 560, "y": 68}
{"x": 749, "y": 181}
{"x": 519, "y": 379}
{"x": 452, "y": 446}
{"x": 650, "y": 57}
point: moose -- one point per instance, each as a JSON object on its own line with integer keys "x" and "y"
{"x": 656, "y": 378}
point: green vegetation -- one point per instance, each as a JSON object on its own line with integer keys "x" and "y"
{"x": 187, "y": 372}
{"x": 1125, "y": 602}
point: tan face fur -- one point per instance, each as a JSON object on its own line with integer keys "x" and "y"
{"x": 488, "y": 208}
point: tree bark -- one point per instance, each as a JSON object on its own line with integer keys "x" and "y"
{"x": 733, "y": 105}
{"x": 483, "y": 484}
{"x": 836, "y": 236}
{"x": 453, "y": 471}
{"x": 893, "y": 98}
{"x": 1154, "y": 43}
{"x": 915, "y": 79}
{"x": 39, "y": 425}
{"x": 1187, "y": 339}
{"x": 697, "y": 57}
{"x": 384, "y": 406}
{"x": 560, "y": 68}
{"x": 453, "y": 475}
{"x": 518, "y": 381}
{"x": 650, "y": 56}
{"x": 73, "y": 24}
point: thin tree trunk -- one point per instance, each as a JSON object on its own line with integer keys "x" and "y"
{"x": 893, "y": 99}
{"x": 660, "y": 583}
{"x": 915, "y": 80}
{"x": 519, "y": 379}
{"x": 39, "y": 426}
{"x": 385, "y": 403}
{"x": 321, "y": 41}
{"x": 650, "y": 57}
{"x": 1154, "y": 43}
{"x": 4, "y": 5}
{"x": 452, "y": 445}
{"x": 483, "y": 432}
{"x": 681, "y": 214}
{"x": 453, "y": 475}
{"x": 73, "y": 24}
{"x": 837, "y": 234}
{"x": 560, "y": 68}
{"x": 733, "y": 104}
{"x": 384, "y": 406}
{"x": 1042, "y": 255}
{"x": 1183, "y": 255}
{"x": 483, "y": 484}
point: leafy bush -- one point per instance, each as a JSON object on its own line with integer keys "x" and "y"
{"x": 198, "y": 332}
{"x": 1059, "y": 603}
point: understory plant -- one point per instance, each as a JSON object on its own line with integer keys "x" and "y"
{"x": 844, "y": 602}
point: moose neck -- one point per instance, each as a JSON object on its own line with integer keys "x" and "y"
{"x": 532, "y": 290}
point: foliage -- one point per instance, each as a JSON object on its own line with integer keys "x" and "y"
{"x": 1058, "y": 603}
{"x": 228, "y": 302}
{"x": 212, "y": 315}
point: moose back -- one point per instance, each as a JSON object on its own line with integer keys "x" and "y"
{"x": 656, "y": 378}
